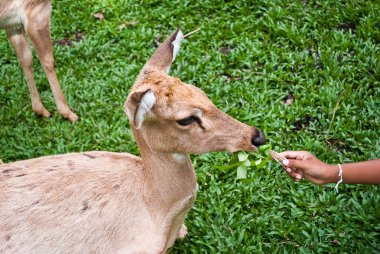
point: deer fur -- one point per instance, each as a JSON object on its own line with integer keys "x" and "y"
{"x": 24, "y": 19}
{"x": 103, "y": 202}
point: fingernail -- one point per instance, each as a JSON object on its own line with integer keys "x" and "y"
{"x": 285, "y": 162}
{"x": 298, "y": 177}
{"x": 287, "y": 170}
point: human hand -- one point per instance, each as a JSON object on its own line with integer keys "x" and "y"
{"x": 302, "y": 164}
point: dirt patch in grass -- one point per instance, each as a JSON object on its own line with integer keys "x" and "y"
{"x": 69, "y": 40}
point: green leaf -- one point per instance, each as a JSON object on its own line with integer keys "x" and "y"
{"x": 241, "y": 172}
{"x": 263, "y": 163}
{"x": 227, "y": 167}
{"x": 265, "y": 148}
{"x": 257, "y": 162}
{"x": 242, "y": 156}
{"x": 247, "y": 163}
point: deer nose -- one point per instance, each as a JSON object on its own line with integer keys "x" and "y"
{"x": 258, "y": 139}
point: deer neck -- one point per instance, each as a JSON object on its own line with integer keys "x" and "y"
{"x": 168, "y": 177}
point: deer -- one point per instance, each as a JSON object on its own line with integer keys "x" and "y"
{"x": 110, "y": 202}
{"x": 22, "y": 19}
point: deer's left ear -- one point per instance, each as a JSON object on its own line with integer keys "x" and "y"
{"x": 139, "y": 105}
{"x": 165, "y": 54}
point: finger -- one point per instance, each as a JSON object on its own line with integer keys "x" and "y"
{"x": 300, "y": 164}
{"x": 298, "y": 171}
{"x": 298, "y": 176}
{"x": 296, "y": 179}
{"x": 295, "y": 175}
{"x": 298, "y": 155}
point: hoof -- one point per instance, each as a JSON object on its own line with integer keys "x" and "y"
{"x": 72, "y": 117}
{"x": 42, "y": 112}
{"x": 69, "y": 115}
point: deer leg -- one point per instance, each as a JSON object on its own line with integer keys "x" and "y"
{"x": 39, "y": 33}
{"x": 25, "y": 57}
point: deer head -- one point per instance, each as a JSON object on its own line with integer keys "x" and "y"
{"x": 170, "y": 116}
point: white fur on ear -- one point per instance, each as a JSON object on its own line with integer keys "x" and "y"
{"x": 177, "y": 43}
{"x": 144, "y": 108}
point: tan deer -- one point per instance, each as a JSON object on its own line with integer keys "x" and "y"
{"x": 103, "y": 202}
{"x": 31, "y": 18}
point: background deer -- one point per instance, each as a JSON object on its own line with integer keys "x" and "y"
{"x": 103, "y": 202}
{"x": 32, "y": 18}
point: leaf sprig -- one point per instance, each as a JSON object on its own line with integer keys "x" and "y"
{"x": 244, "y": 161}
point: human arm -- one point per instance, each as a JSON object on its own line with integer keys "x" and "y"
{"x": 299, "y": 164}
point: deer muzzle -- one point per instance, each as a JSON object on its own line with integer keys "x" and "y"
{"x": 258, "y": 138}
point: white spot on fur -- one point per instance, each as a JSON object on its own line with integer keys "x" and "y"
{"x": 198, "y": 113}
{"x": 145, "y": 107}
{"x": 182, "y": 232}
{"x": 179, "y": 157}
{"x": 177, "y": 44}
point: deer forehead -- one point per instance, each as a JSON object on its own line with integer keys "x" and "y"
{"x": 183, "y": 98}
{"x": 169, "y": 90}
{"x": 174, "y": 98}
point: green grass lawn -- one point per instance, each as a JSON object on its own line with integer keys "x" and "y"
{"x": 248, "y": 57}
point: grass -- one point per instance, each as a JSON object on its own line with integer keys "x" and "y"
{"x": 248, "y": 56}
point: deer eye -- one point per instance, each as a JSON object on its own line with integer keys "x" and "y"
{"x": 188, "y": 120}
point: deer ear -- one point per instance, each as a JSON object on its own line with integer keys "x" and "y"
{"x": 176, "y": 44}
{"x": 165, "y": 54}
{"x": 139, "y": 105}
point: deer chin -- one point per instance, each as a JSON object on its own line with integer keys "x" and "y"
{"x": 246, "y": 148}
